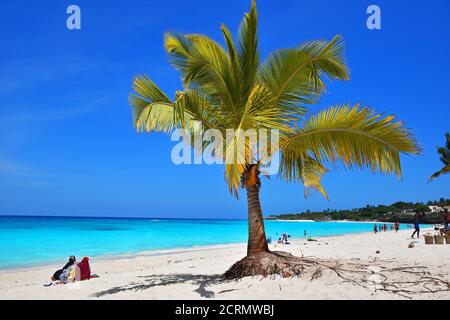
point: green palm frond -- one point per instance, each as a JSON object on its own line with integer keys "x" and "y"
{"x": 444, "y": 153}
{"x": 248, "y": 49}
{"x": 156, "y": 117}
{"x": 148, "y": 90}
{"x": 152, "y": 109}
{"x": 234, "y": 58}
{"x": 447, "y": 141}
{"x": 295, "y": 76}
{"x": 444, "y": 170}
{"x": 236, "y": 159}
{"x": 178, "y": 49}
{"x": 329, "y": 60}
{"x": 298, "y": 166}
{"x": 260, "y": 112}
{"x": 204, "y": 63}
{"x": 229, "y": 88}
{"x": 287, "y": 73}
{"x": 354, "y": 137}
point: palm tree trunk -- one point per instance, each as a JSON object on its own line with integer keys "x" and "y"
{"x": 256, "y": 234}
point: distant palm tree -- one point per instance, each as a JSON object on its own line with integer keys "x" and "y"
{"x": 445, "y": 158}
{"x": 230, "y": 89}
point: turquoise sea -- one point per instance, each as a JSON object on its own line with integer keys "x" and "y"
{"x": 28, "y": 241}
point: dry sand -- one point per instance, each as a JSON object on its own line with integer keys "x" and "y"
{"x": 195, "y": 273}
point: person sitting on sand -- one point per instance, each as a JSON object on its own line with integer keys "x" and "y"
{"x": 72, "y": 272}
{"x": 416, "y": 225}
{"x": 83, "y": 270}
{"x": 58, "y": 275}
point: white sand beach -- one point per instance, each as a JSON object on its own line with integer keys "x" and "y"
{"x": 195, "y": 273}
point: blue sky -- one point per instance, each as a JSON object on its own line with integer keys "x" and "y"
{"x": 67, "y": 144}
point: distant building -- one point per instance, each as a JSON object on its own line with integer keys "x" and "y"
{"x": 435, "y": 209}
{"x": 411, "y": 212}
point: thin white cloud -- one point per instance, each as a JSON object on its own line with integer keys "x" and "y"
{"x": 10, "y": 167}
{"x": 56, "y": 113}
{"x": 22, "y": 74}
{"x": 20, "y": 128}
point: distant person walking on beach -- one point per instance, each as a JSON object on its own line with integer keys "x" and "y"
{"x": 375, "y": 229}
{"x": 416, "y": 225}
{"x": 397, "y": 226}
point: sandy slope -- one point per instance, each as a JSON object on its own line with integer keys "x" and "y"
{"x": 195, "y": 274}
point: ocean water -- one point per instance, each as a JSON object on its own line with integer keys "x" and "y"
{"x": 27, "y": 241}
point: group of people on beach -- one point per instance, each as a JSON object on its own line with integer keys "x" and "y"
{"x": 284, "y": 238}
{"x": 72, "y": 271}
{"x": 384, "y": 227}
{"x": 417, "y": 217}
{"x": 396, "y": 226}
{"x": 443, "y": 231}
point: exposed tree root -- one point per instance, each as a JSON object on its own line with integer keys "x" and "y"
{"x": 266, "y": 264}
{"x": 405, "y": 281}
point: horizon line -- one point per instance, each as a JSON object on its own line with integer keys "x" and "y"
{"x": 111, "y": 217}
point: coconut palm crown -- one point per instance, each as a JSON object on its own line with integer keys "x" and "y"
{"x": 229, "y": 87}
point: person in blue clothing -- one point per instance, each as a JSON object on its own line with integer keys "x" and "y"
{"x": 416, "y": 225}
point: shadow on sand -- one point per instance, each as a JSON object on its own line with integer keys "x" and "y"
{"x": 150, "y": 281}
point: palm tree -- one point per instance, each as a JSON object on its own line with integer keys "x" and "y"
{"x": 230, "y": 88}
{"x": 445, "y": 158}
